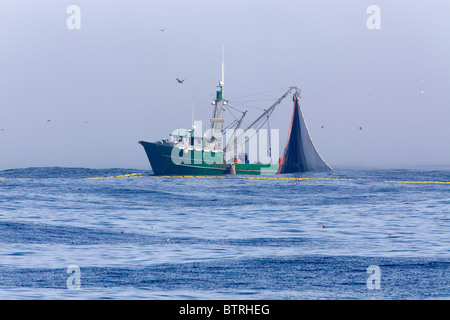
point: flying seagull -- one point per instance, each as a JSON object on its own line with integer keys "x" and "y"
{"x": 360, "y": 128}
{"x": 421, "y": 91}
{"x": 180, "y": 81}
{"x": 162, "y": 30}
{"x": 49, "y": 120}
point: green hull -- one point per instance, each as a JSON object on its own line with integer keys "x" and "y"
{"x": 163, "y": 162}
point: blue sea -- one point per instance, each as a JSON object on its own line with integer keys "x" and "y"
{"x": 77, "y": 233}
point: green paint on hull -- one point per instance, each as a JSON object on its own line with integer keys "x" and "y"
{"x": 164, "y": 160}
{"x": 256, "y": 168}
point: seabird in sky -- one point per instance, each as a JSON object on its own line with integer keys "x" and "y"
{"x": 162, "y": 30}
{"x": 360, "y": 128}
{"x": 180, "y": 81}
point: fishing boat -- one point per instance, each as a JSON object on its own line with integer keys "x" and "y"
{"x": 189, "y": 152}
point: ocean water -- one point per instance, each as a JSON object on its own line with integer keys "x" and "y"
{"x": 346, "y": 234}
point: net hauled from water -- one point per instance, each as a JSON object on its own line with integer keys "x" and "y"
{"x": 300, "y": 154}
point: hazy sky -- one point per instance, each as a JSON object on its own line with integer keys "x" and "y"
{"x": 111, "y": 83}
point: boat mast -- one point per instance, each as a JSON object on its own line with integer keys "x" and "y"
{"x": 219, "y": 102}
{"x": 193, "y": 106}
{"x": 223, "y": 67}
